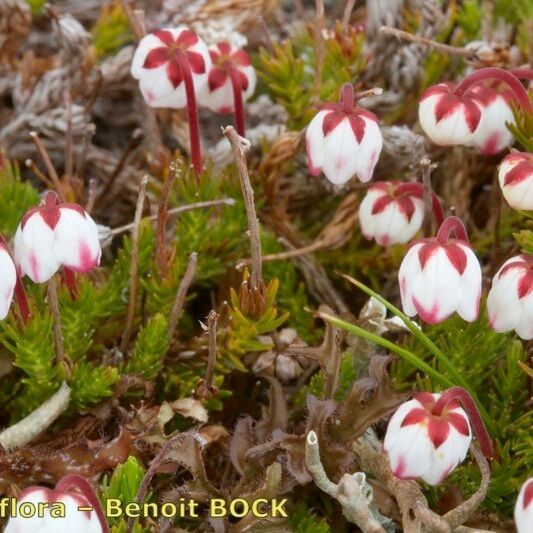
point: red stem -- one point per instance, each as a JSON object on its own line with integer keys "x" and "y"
{"x": 237, "y": 101}
{"x": 454, "y": 224}
{"x": 522, "y": 73}
{"x": 73, "y": 481}
{"x": 458, "y": 393}
{"x": 22, "y": 301}
{"x": 69, "y": 279}
{"x": 418, "y": 190}
{"x": 347, "y": 98}
{"x": 192, "y": 111}
{"x": 500, "y": 75}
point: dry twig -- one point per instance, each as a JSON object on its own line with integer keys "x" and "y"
{"x": 181, "y": 293}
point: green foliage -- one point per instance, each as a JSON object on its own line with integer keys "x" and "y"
{"x": 523, "y": 129}
{"x": 468, "y": 17}
{"x": 91, "y": 384}
{"x": 151, "y": 346}
{"x": 289, "y": 72}
{"x": 111, "y": 31}
{"x": 36, "y": 6}
{"x": 16, "y": 197}
{"x": 302, "y": 520}
{"x": 123, "y": 485}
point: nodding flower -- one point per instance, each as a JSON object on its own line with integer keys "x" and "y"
{"x": 343, "y": 140}
{"x": 230, "y": 82}
{"x": 56, "y": 234}
{"x": 429, "y": 435}
{"x": 441, "y": 275}
{"x": 171, "y": 65}
{"x": 392, "y": 212}
{"x": 8, "y": 279}
{"x": 510, "y": 299}
{"x": 515, "y": 176}
{"x": 72, "y": 506}
{"x": 452, "y": 114}
{"x": 523, "y": 511}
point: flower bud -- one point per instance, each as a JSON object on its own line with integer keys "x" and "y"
{"x": 56, "y": 234}
{"x": 228, "y": 62}
{"x": 449, "y": 119}
{"x": 343, "y": 140}
{"x": 8, "y": 280}
{"x": 523, "y": 511}
{"x": 492, "y": 135}
{"x": 440, "y": 276}
{"x": 516, "y": 180}
{"x": 421, "y": 444}
{"x": 510, "y": 299}
{"x": 390, "y": 214}
{"x": 50, "y": 522}
{"x": 156, "y": 66}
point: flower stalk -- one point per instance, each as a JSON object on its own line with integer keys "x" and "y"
{"x": 450, "y": 224}
{"x": 237, "y": 100}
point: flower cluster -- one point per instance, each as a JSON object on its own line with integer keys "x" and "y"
{"x": 176, "y": 69}
{"x": 50, "y": 237}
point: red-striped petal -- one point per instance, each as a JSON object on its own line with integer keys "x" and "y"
{"x": 164, "y": 36}
{"x": 459, "y": 423}
{"x": 186, "y": 39}
{"x": 358, "y": 127}
{"x": 414, "y": 416}
{"x": 519, "y": 173}
{"x": 156, "y": 57}
{"x": 196, "y": 61}
{"x": 224, "y": 48}
{"x": 525, "y": 285}
{"x": 241, "y": 58}
{"x": 438, "y": 431}
{"x": 217, "y": 78}
{"x": 381, "y": 203}
{"x": 407, "y": 206}
{"x": 331, "y": 121}
{"x": 426, "y": 252}
{"x": 174, "y": 73}
{"x": 457, "y": 257}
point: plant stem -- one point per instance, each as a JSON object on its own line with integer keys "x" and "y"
{"x": 178, "y": 211}
{"x": 455, "y": 50}
{"x": 161, "y": 227}
{"x": 70, "y": 281}
{"x": 450, "y": 224}
{"x": 458, "y": 393}
{"x": 192, "y": 111}
{"x": 348, "y": 8}
{"x": 240, "y": 146}
{"x": 418, "y": 190}
{"x": 493, "y": 73}
{"x": 74, "y": 481}
{"x": 428, "y": 195}
{"x": 47, "y": 163}
{"x": 522, "y": 73}
{"x": 212, "y": 320}
{"x": 22, "y": 300}
{"x": 53, "y": 302}
{"x": 347, "y": 98}
{"x": 179, "y": 300}
{"x": 237, "y": 100}
{"x": 134, "y": 266}
{"x": 320, "y": 47}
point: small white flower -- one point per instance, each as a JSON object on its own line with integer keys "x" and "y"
{"x": 343, "y": 140}
{"x": 516, "y": 180}
{"x": 523, "y": 511}
{"x": 228, "y": 63}
{"x": 510, "y": 299}
{"x": 439, "y": 277}
{"x": 391, "y": 215}
{"x": 420, "y": 444}
{"x": 73, "y": 521}
{"x": 53, "y": 235}
{"x": 156, "y": 65}
{"x": 492, "y": 135}
{"x": 449, "y": 119}
{"x": 8, "y": 280}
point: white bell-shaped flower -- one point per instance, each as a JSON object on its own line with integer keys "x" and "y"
{"x": 157, "y": 64}
{"x": 523, "y": 511}
{"x": 8, "y": 280}
{"x": 510, "y": 299}
{"x": 56, "y": 234}
{"x": 440, "y": 276}
{"x": 391, "y": 213}
{"x": 343, "y": 140}
{"x": 425, "y": 445}
{"x": 516, "y": 180}
{"x": 449, "y": 119}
